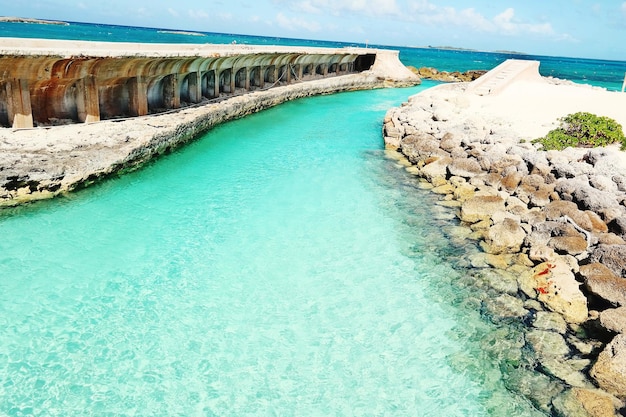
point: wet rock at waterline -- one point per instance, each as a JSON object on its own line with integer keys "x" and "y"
{"x": 553, "y": 220}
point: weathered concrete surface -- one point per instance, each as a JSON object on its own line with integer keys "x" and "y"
{"x": 51, "y": 82}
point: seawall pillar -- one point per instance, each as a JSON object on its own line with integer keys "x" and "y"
{"x": 171, "y": 92}
{"x": 195, "y": 87}
{"x": 89, "y": 107}
{"x": 138, "y": 96}
{"x": 19, "y": 110}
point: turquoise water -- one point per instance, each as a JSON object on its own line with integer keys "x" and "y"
{"x": 279, "y": 266}
{"x": 602, "y": 73}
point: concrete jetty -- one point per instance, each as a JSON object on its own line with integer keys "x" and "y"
{"x": 72, "y": 112}
{"x": 48, "y": 82}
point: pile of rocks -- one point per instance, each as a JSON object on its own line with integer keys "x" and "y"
{"x": 429, "y": 73}
{"x": 552, "y": 228}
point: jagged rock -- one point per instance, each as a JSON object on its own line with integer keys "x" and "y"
{"x": 540, "y": 388}
{"x": 574, "y": 245}
{"x": 505, "y": 306}
{"x": 582, "y": 402}
{"x": 609, "y": 370}
{"x": 541, "y": 253}
{"x": 547, "y": 344}
{"x": 420, "y": 146}
{"x": 464, "y": 192}
{"x": 562, "y": 369}
{"x": 609, "y": 239}
{"x": 618, "y": 226}
{"x": 556, "y": 287}
{"x": 480, "y": 208}
{"x": 511, "y": 181}
{"x": 436, "y": 168}
{"x": 464, "y": 167}
{"x": 504, "y": 237}
{"x": 614, "y": 319}
{"x": 603, "y": 183}
{"x": 450, "y": 142}
{"x": 502, "y": 281}
{"x": 545, "y": 320}
{"x": 595, "y": 200}
{"x": 612, "y": 256}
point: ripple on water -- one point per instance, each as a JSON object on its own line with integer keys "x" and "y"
{"x": 267, "y": 269}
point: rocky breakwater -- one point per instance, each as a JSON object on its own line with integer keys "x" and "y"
{"x": 41, "y": 163}
{"x": 551, "y": 232}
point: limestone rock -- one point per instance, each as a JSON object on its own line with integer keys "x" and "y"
{"x": 603, "y": 282}
{"x": 595, "y": 200}
{"x": 504, "y": 237}
{"x": 545, "y": 320}
{"x": 596, "y": 402}
{"x": 614, "y": 319}
{"x": 556, "y": 287}
{"x": 436, "y": 167}
{"x": 541, "y": 253}
{"x": 582, "y": 402}
{"x": 506, "y": 306}
{"x": 546, "y": 343}
{"x": 480, "y": 208}
{"x": 568, "y": 244}
{"x": 618, "y": 226}
{"x": 464, "y": 167}
{"x": 613, "y": 256}
{"x": 609, "y": 239}
{"x": 565, "y": 371}
{"x": 609, "y": 371}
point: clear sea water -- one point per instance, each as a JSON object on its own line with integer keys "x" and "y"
{"x": 280, "y": 265}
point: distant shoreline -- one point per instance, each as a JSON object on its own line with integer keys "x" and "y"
{"x": 30, "y": 20}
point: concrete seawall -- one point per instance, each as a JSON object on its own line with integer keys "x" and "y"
{"x": 42, "y": 162}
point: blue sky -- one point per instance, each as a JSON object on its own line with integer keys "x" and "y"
{"x": 576, "y": 28}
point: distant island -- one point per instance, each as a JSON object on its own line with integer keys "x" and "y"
{"x": 454, "y": 48}
{"x": 30, "y": 20}
{"x": 181, "y": 32}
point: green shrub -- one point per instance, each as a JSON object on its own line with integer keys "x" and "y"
{"x": 583, "y": 129}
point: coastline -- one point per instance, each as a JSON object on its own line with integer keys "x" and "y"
{"x": 41, "y": 163}
{"x": 551, "y": 226}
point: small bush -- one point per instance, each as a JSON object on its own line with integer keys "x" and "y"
{"x": 583, "y": 129}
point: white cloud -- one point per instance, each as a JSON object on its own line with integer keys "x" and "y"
{"x": 624, "y": 8}
{"x": 338, "y": 7}
{"x": 197, "y": 14}
{"x": 505, "y": 23}
{"x": 296, "y": 24}
{"x": 172, "y": 12}
{"x": 226, "y": 16}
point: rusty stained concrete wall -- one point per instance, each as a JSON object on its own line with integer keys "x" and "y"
{"x": 96, "y": 81}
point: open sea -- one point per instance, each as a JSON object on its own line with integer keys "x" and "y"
{"x": 280, "y": 265}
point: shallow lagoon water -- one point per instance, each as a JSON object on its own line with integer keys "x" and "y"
{"x": 280, "y": 265}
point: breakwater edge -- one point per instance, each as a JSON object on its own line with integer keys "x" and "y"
{"x": 549, "y": 228}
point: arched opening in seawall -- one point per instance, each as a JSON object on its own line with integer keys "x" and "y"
{"x": 43, "y": 90}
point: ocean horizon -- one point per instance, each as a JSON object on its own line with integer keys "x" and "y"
{"x": 603, "y": 73}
